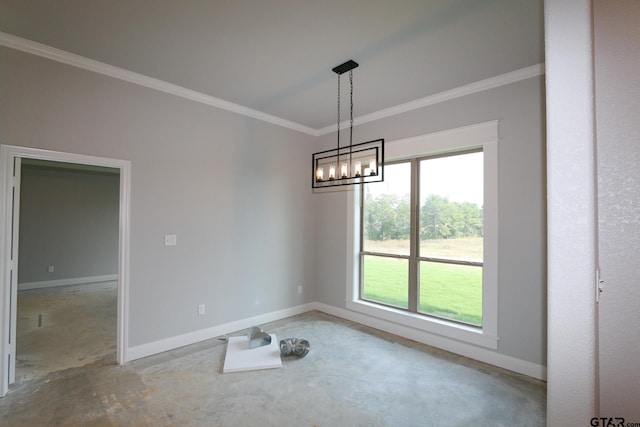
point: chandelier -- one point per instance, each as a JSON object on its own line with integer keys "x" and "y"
{"x": 350, "y": 164}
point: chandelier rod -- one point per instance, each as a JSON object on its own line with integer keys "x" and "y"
{"x": 347, "y": 66}
{"x": 338, "y": 113}
{"x": 349, "y": 170}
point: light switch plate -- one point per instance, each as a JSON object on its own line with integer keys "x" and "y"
{"x": 170, "y": 240}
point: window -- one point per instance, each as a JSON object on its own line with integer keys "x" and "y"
{"x": 426, "y": 260}
{"x": 395, "y": 279}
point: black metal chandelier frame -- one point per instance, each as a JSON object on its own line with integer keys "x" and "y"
{"x": 351, "y": 164}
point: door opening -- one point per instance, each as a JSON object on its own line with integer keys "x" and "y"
{"x": 11, "y": 158}
{"x": 68, "y": 264}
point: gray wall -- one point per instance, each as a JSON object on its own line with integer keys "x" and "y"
{"x": 228, "y": 186}
{"x": 68, "y": 220}
{"x": 519, "y": 107}
{"x": 617, "y": 87}
{"x": 236, "y": 193}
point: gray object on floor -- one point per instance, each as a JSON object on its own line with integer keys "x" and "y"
{"x": 294, "y": 347}
{"x": 258, "y": 337}
{"x": 357, "y": 376}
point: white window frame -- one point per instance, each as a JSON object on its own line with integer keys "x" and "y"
{"x": 485, "y": 136}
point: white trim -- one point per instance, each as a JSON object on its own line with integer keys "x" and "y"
{"x": 178, "y": 341}
{"x": 444, "y": 141}
{"x": 66, "y": 282}
{"x": 123, "y": 262}
{"x": 447, "y": 95}
{"x": 6, "y": 185}
{"x": 7, "y": 154}
{"x": 62, "y": 56}
{"x": 520, "y": 366}
{"x": 425, "y": 324}
{"x": 486, "y": 356}
{"x": 483, "y": 135}
{"x": 79, "y": 61}
{"x": 491, "y": 237}
{"x": 9, "y": 250}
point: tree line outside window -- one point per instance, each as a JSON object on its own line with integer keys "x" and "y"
{"x": 387, "y": 217}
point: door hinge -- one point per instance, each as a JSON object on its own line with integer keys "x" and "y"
{"x": 599, "y": 285}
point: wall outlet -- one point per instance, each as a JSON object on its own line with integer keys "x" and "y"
{"x": 170, "y": 240}
{"x": 299, "y": 289}
{"x": 50, "y": 269}
{"x": 201, "y": 309}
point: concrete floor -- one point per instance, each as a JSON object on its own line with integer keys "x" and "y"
{"x": 65, "y": 327}
{"x": 353, "y": 376}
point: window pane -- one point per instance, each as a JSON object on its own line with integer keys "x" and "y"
{"x": 451, "y": 291}
{"x": 386, "y": 280}
{"x": 387, "y": 214}
{"x": 451, "y": 197}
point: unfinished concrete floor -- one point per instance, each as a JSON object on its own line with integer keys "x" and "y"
{"x": 353, "y": 376}
{"x": 64, "y": 327}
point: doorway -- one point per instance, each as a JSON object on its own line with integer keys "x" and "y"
{"x": 11, "y": 158}
{"x": 68, "y": 264}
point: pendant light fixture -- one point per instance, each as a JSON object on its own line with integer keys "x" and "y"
{"x": 350, "y": 164}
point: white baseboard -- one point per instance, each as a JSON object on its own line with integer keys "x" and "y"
{"x": 167, "y": 344}
{"x": 463, "y": 349}
{"x": 65, "y": 282}
{"x": 520, "y": 366}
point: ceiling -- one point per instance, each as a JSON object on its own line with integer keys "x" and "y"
{"x": 276, "y": 56}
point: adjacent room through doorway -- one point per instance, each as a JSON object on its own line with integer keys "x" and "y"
{"x": 68, "y": 266}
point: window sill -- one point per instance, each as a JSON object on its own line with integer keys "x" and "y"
{"x": 453, "y": 330}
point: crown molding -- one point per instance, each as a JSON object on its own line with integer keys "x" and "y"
{"x": 54, "y": 54}
{"x": 469, "y": 89}
{"x": 45, "y": 51}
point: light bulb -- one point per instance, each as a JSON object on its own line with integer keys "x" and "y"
{"x": 358, "y": 168}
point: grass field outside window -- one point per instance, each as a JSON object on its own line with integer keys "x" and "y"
{"x": 446, "y": 290}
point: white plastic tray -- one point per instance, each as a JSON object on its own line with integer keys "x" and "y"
{"x": 240, "y": 357}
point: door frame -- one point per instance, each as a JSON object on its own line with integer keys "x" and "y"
{"x": 7, "y": 308}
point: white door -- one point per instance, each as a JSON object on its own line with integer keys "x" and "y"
{"x": 10, "y": 264}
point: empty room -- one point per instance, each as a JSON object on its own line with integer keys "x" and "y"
{"x": 68, "y": 253}
{"x": 401, "y": 198}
